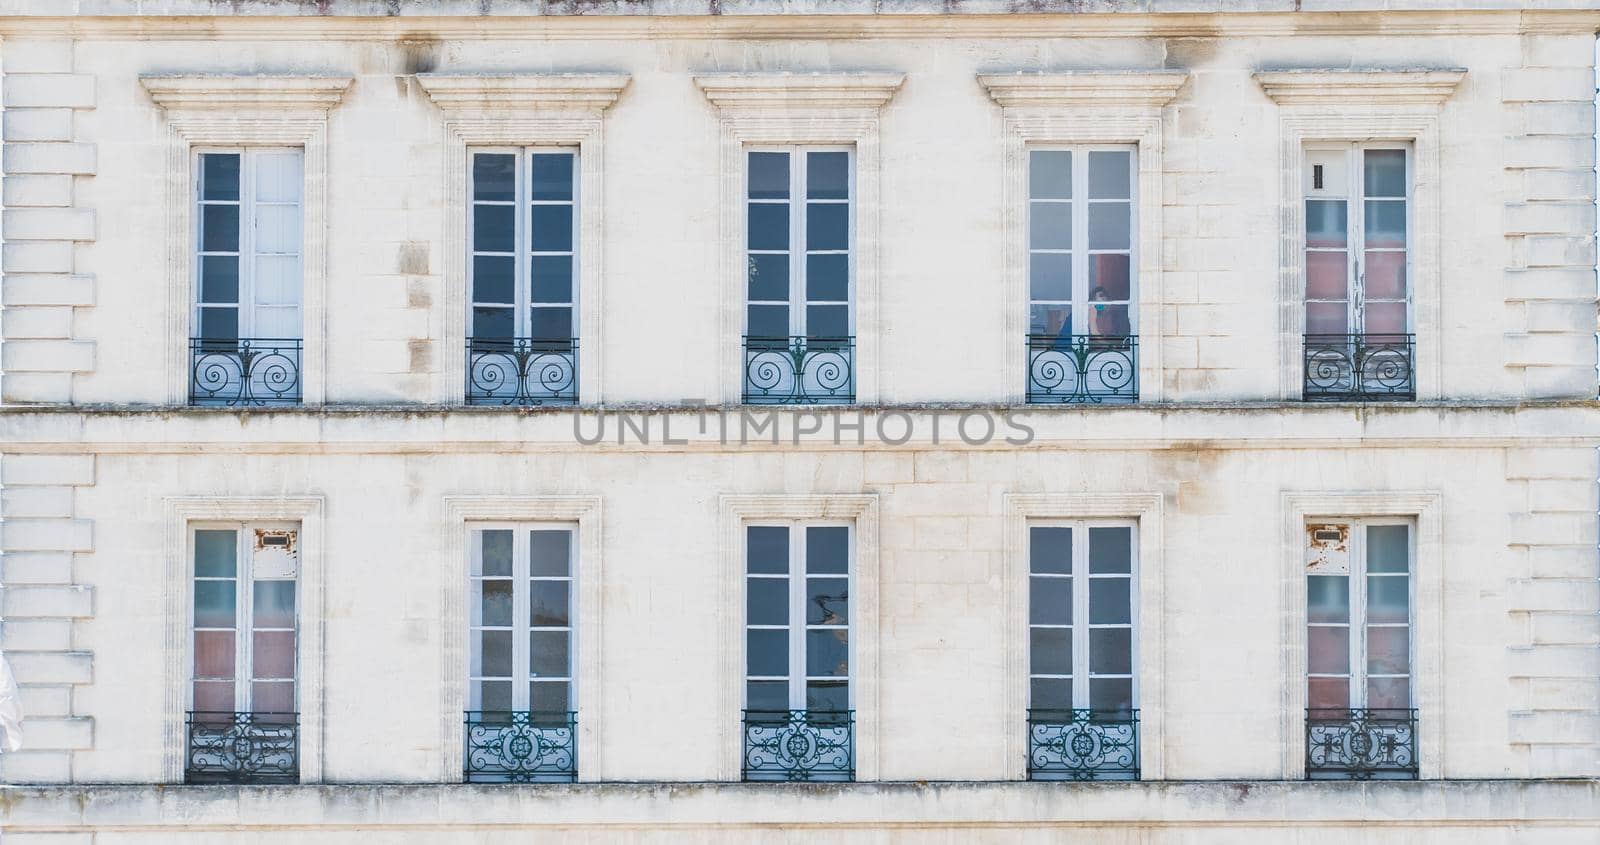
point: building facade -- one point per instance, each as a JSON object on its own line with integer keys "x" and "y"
{"x": 1124, "y": 421}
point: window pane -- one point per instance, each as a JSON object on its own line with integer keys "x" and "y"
{"x": 494, "y": 695}
{"x": 828, "y": 278}
{"x": 1050, "y": 651}
{"x": 827, "y": 550}
{"x": 768, "y": 321}
{"x": 1386, "y": 224}
{"x": 1049, "y": 174}
{"x": 828, "y": 696}
{"x": 1327, "y": 275}
{"x": 769, "y": 277}
{"x": 828, "y": 321}
{"x": 767, "y": 549}
{"x": 492, "y": 278}
{"x": 1385, "y": 318}
{"x": 1108, "y": 601}
{"x": 549, "y": 552}
{"x": 1384, "y": 275}
{"x": 549, "y": 652}
{"x": 214, "y": 604}
{"x": 1327, "y": 318}
{"x": 494, "y": 177}
{"x": 272, "y": 697}
{"x": 1050, "y": 551}
{"x": 766, "y": 695}
{"x": 827, "y": 225}
{"x": 1111, "y": 693}
{"x": 827, "y": 601}
{"x": 273, "y": 655}
{"x": 219, "y": 323}
{"x": 766, "y": 601}
{"x": 277, "y": 229}
{"x": 495, "y": 557}
{"x": 1388, "y": 598}
{"x": 767, "y": 653}
{"x": 219, "y": 278}
{"x": 1050, "y": 693}
{"x": 277, "y": 282}
{"x": 549, "y": 603}
{"x": 550, "y": 696}
{"x": 214, "y": 553}
{"x": 1389, "y": 693}
{"x": 494, "y": 607}
{"x": 1050, "y": 225}
{"x": 769, "y": 175}
{"x": 1109, "y": 225}
{"x": 1388, "y": 548}
{"x": 552, "y": 176}
{"x": 828, "y": 653}
{"x": 551, "y": 278}
{"x": 274, "y": 604}
{"x": 1109, "y": 176}
{"x": 1050, "y": 601}
{"x": 1110, "y": 651}
{"x": 494, "y": 228}
{"x": 214, "y": 654}
{"x": 1108, "y": 320}
{"x": 1328, "y": 693}
{"x": 493, "y": 323}
{"x": 1050, "y": 320}
{"x": 1384, "y": 173}
{"x": 768, "y": 226}
{"x": 1050, "y": 276}
{"x": 1110, "y": 550}
{"x": 1327, "y": 598}
{"x": 551, "y": 324}
{"x": 828, "y": 176}
{"x": 219, "y": 228}
{"x": 1389, "y": 651}
{"x": 1110, "y": 275}
{"x": 491, "y": 654}
{"x": 1328, "y": 649}
{"x": 1327, "y": 224}
{"x": 214, "y": 697}
{"x": 552, "y": 228}
{"x": 219, "y": 176}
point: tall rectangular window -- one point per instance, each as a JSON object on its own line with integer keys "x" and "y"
{"x": 1358, "y": 335}
{"x": 522, "y": 341}
{"x": 798, "y": 706}
{"x": 521, "y": 605}
{"x": 247, "y": 264}
{"x": 243, "y": 713}
{"x": 1082, "y": 642}
{"x": 799, "y": 314}
{"x": 1082, "y": 326}
{"x": 1360, "y": 716}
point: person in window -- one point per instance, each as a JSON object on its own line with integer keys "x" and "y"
{"x": 1108, "y": 324}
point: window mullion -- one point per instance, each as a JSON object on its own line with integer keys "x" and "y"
{"x": 1356, "y": 218}
{"x": 521, "y": 243}
{"x": 1080, "y": 614}
{"x": 797, "y": 617}
{"x": 1079, "y": 204}
{"x": 797, "y": 242}
{"x": 521, "y": 660}
{"x": 1358, "y": 614}
{"x": 244, "y": 574}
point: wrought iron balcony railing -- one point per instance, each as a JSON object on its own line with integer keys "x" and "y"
{"x": 799, "y": 745}
{"x": 1361, "y": 744}
{"x": 228, "y": 747}
{"x": 799, "y": 370}
{"x": 521, "y": 746}
{"x": 251, "y": 371}
{"x": 1080, "y": 368}
{"x": 1083, "y": 744}
{"x": 522, "y": 371}
{"x": 1360, "y": 368}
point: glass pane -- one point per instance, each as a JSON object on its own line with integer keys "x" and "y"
{"x": 272, "y": 697}
{"x": 827, "y": 696}
{"x": 1110, "y": 277}
{"x": 1327, "y": 275}
{"x": 769, "y": 175}
{"x": 828, "y": 278}
{"x": 827, "y": 225}
{"x": 552, "y": 176}
{"x": 549, "y": 652}
{"x": 214, "y": 603}
{"x": 827, "y": 601}
{"x": 550, "y": 324}
{"x": 219, "y": 176}
{"x": 1328, "y": 693}
{"x": 1050, "y": 276}
{"x": 219, "y": 228}
{"x": 768, "y": 226}
{"x": 491, "y": 654}
{"x": 768, "y": 321}
{"x": 276, "y": 321}
{"x": 277, "y": 282}
{"x": 219, "y": 278}
{"x": 1050, "y": 693}
{"x": 1050, "y": 601}
{"x": 769, "y": 277}
{"x": 1327, "y": 224}
{"x": 219, "y": 323}
{"x": 549, "y": 552}
{"x": 550, "y": 697}
{"x": 1389, "y": 693}
{"x": 492, "y": 278}
{"x": 1050, "y": 225}
{"x": 1388, "y": 548}
{"x": 550, "y": 278}
{"x": 1109, "y": 225}
{"x": 1389, "y": 651}
{"x": 1111, "y": 693}
{"x": 494, "y": 607}
{"x": 1050, "y": 551}
{"x": 828, "y": 321}
{"x": 766, "y": 601}
{"x": 828, "y": 653}
{"x": 1328, "y": 649}
{"x": 1110, "y": 651}
{"x": 1108, "y": 320}
{"x": 214, "y": 552}
{"x": 766, "y": 653}
{"x": 828, "y": 176}
{"x": 494, "y": 228}
{"x": 494, "y": 695}
{"x": 552, "y": 228}
{"x": 1385, "y": 318}
{"x": 277, "y": 228}
{"x": 493, "y": 323}
{"x": 274, "y": 604}
{"x": 767, "y": 549}
{"x": 1327, "y": 318}
{"x": 1109, "y": 176}
{"x": 1386, "y": 224}
{"x": 1327, "y": 598}
{"x": 1388, "y": 598}
{"x": 213, "y": 697}
{"x": 1109, "y": 601}
{"x": 827, "y": 550}
{"x": 1385, "y": 275}
{"x": 548, "y": 603}
{"x": 494, "y": 177}
{"x": 1049, "y": 174}
{"x": 273, "y": 655}
{"x": 1050, "y": 320}
{"x": 1050, "y": 651}
{"x": 1384, "y": 173}
{"x": 1110, "y": 551}
{"x": 214, "y": 654}
{"x": 766, "y": 695}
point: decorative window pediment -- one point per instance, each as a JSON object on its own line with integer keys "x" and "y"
{"x": 245, "y": 93}
{"x": 831, "y": 93}
{"x": 1076, "y": 89}
{"x": 515, "y": 94}
{"x": 1310, "y": 87}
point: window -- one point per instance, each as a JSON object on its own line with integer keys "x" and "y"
{"x": 799, "y": 320}
{"x": 1082, "y": 329}
{"x": 248, "y": 277}
{"x": 243, "y": 721}
{"x": 520, "y": 720}
{"x": 522, "y": 345}
{"x": 798, "y": 705}
{"x": 1358, "y": 335}
{"x": 1082, "y": 626}
{"x": 1359, "y": 722}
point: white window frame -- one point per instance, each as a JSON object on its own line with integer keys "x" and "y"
{"x": 1079, "y": 250}
{"x": 1357, "y": 621}
{"x": 521, "y": 626}
{"x": 246, "y": 301}
{"x": 244, "y": 611}
{"x": 797, "y": 252}
{"x": 1080, "y": 579}
{"x": 522, "y": 294}
{"x": 797, "y": 627}
{"x": 1355, "y": 199}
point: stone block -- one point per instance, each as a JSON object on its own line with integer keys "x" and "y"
{"x": 52, "y": 224}
{"x": 54, "y": 288}
{"x": 66, "y": 600}
{"x": 52, "y": 734}
{"x": 1560, "y": 726}
{"x": 24, "y": 535}
{"x": 1533, "y": 85}
{"x": 37, "y": 125}
{"x": 39, "y": 190}
{"x": 1568, "y": 382}
{"x": 36, "y": 388}
{"x": 23, "y": 634}
{"x": 1535, "y": 218}
{"x": 36, "y": 567}
{"x": 52, "y": 667}
{"x": 72, "y": 356}
{"x": 77, "y": 159}
{"x": 39, "y": 767}
{"x": 49, "y": 90}
{"x": 39, "y": 55}
{"x": 1555, "y": 50}
{"x": 1558, "y": 118}
{"x": 1563, "y": 184}
{"x": 1547, "y": 348}
{"x": 46, "y": 700}
{"x": 48, "y": 470}
{"x": 1579, "y": 628}
{"x": 36, "y": 257}
{"x": 37, "y": 323}
{"x": 1559, "y": 250}
{"x": 1576, "y": 316}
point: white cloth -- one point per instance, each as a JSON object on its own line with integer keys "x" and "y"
{"x": 10, "y": 709}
